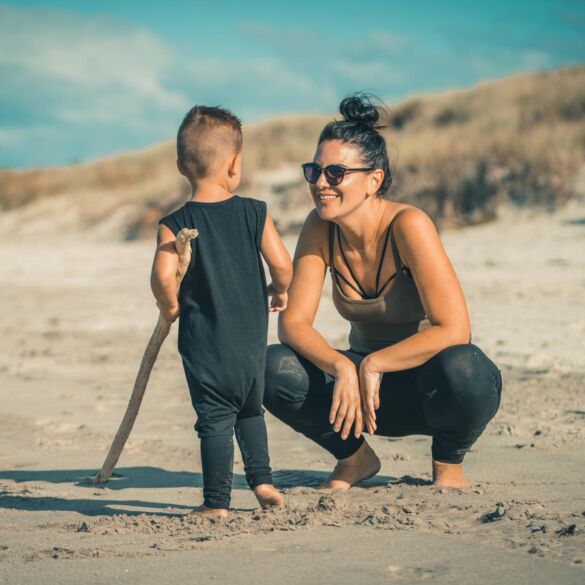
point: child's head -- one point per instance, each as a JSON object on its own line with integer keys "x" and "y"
{"x": 209, "y": 142}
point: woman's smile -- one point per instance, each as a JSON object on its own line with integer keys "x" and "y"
{"x": 325, "y": 198}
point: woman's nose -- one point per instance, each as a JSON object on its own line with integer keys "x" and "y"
{"x": 322, "y": 181}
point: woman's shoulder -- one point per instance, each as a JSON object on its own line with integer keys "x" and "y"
{"x": 414, "y": 231}
{"x": 314, "y": 234}
{"x": 408, "y": 219}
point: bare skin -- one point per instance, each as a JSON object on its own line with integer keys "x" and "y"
{"x": 203, "y": 510}
{"x": 362, "y": 465}
{"x": 448, "y": 475}
{"x": 362, "y": 218}
{"x": 268, "y": 496}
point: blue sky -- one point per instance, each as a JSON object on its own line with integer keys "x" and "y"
{"x": 80, "y": 80}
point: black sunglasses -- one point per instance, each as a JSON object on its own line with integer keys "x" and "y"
{"x": 333, "y": 173}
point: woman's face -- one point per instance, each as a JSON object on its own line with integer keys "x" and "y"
{"x": 334, "y": 201}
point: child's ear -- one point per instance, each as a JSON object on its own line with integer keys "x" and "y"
{"x": 235, "y": 165}
{"x": 180, "y": 168}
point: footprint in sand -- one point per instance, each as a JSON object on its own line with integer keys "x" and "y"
{"x": 398, "y": 573}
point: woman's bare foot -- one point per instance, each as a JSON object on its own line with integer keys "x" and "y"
{"x": 363, "y": 464}
{"x": 268, "y": 496}
{"x": 203, "y": 510}
{"x": 448, "y": 475}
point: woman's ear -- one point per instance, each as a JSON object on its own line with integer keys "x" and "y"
{"x": 375, "y": 181}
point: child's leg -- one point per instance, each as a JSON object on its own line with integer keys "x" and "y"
{"x": 252, "y": 439}
{"x": 253, "y": 443}
{"x": 217, "y": 458}
{"x": 216, "y": 417}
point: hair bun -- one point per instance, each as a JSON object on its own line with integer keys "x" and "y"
{"x": 359, "y": 108}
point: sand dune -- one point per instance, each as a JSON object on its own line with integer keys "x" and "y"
{"x": 459, "y": 155}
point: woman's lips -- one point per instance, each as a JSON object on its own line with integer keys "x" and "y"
{"x": 323, "y": 198}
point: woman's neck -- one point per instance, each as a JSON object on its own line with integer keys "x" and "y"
{"x": 361, "y": 227}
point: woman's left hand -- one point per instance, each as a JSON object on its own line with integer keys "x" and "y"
{"x": 370, "y": 380}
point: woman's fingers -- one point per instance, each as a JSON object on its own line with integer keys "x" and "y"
{"x": 369, "y": 413}
{"x": 359, "y": 423}
{"x": 373, "y": 425}
{"x": 334, "y": 407}
{"x": 371, "y": 405}
{"x": 341, "y": 414}
{"x": 367, "y": 417}
{"x": 348, "y": 422}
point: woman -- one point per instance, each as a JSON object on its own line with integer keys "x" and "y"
{"x": 411, "y": 367}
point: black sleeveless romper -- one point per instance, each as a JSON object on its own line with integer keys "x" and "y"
{"x": 224, "y": 310}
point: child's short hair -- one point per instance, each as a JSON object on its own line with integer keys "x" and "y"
{"x": 206, "y": 137}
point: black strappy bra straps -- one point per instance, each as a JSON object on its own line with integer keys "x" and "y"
{"x": 360, "y": 290}
{"x": 397, "y": 259}
{"x": 378, "y": 290}
{"x": 334, "y": 272}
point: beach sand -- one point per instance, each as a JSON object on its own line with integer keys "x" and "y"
{"x": 76, "y": 316}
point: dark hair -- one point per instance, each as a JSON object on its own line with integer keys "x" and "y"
{"x": 358, "y": 127}
{"x": 205, "y": 138}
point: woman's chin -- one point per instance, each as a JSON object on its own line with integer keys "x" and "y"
{"x": 327, "y": 208}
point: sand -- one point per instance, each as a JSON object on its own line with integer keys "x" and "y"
{"x": 76, "y": 315}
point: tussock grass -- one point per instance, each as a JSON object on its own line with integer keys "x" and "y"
{"x": 457, "y": 154}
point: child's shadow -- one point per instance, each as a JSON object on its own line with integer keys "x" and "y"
{"x": 156, "y": 477}
{"x": 146, "y": 478}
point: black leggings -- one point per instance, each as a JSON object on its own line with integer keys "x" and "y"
{"x": 451, "y": 397}
{"x": 223, "y": 408}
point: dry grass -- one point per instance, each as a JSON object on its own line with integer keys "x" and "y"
{"x": 460, "y": 154}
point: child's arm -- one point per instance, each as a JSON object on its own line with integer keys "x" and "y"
{"x": 279, "y": 265}
{"x": 163, "y": 278}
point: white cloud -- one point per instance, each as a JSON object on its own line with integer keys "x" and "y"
{"x": 11, "y": 137}
{"x": 262, "y": 78}
{"x": 316, "y": 44}
{"x": 89, "y": 59}
{"x": 369, "y": 73}
{"x": 535, "y": 60}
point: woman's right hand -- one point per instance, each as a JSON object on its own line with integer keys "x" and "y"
{"x": 346, "y": 409}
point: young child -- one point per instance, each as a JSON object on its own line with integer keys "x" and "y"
{"x": 223, "y": 304}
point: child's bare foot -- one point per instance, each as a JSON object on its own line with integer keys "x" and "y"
{"x": 363, "y": 464}
{"x": 448, "y": 475}
{"x": 203, "y": 510}
{"x": 268, "y": 496}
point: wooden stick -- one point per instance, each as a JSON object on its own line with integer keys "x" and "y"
{"x": 161, "y": 330}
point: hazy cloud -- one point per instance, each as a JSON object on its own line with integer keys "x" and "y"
{"x": 60, "y": 53}
{"x": 73, "y": 87}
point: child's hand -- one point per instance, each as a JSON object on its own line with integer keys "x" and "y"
{"x": 278, "y": 303}
{"x": 279, "y": 300}
{"x": 169, "y": 314}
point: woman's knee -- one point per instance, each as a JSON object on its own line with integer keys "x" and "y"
{"x": 462, "y": 381}
{"x": 285, "y": 377}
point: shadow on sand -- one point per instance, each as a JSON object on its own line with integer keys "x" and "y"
{"x": 146, "y": 477}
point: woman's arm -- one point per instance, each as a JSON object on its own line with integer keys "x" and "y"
{"x": 440, "y": 292}
{"x": 295, "y": 326}
{"x": 421, "y": 250}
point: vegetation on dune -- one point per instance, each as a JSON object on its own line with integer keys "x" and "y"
{"x": 458, "y": 155}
